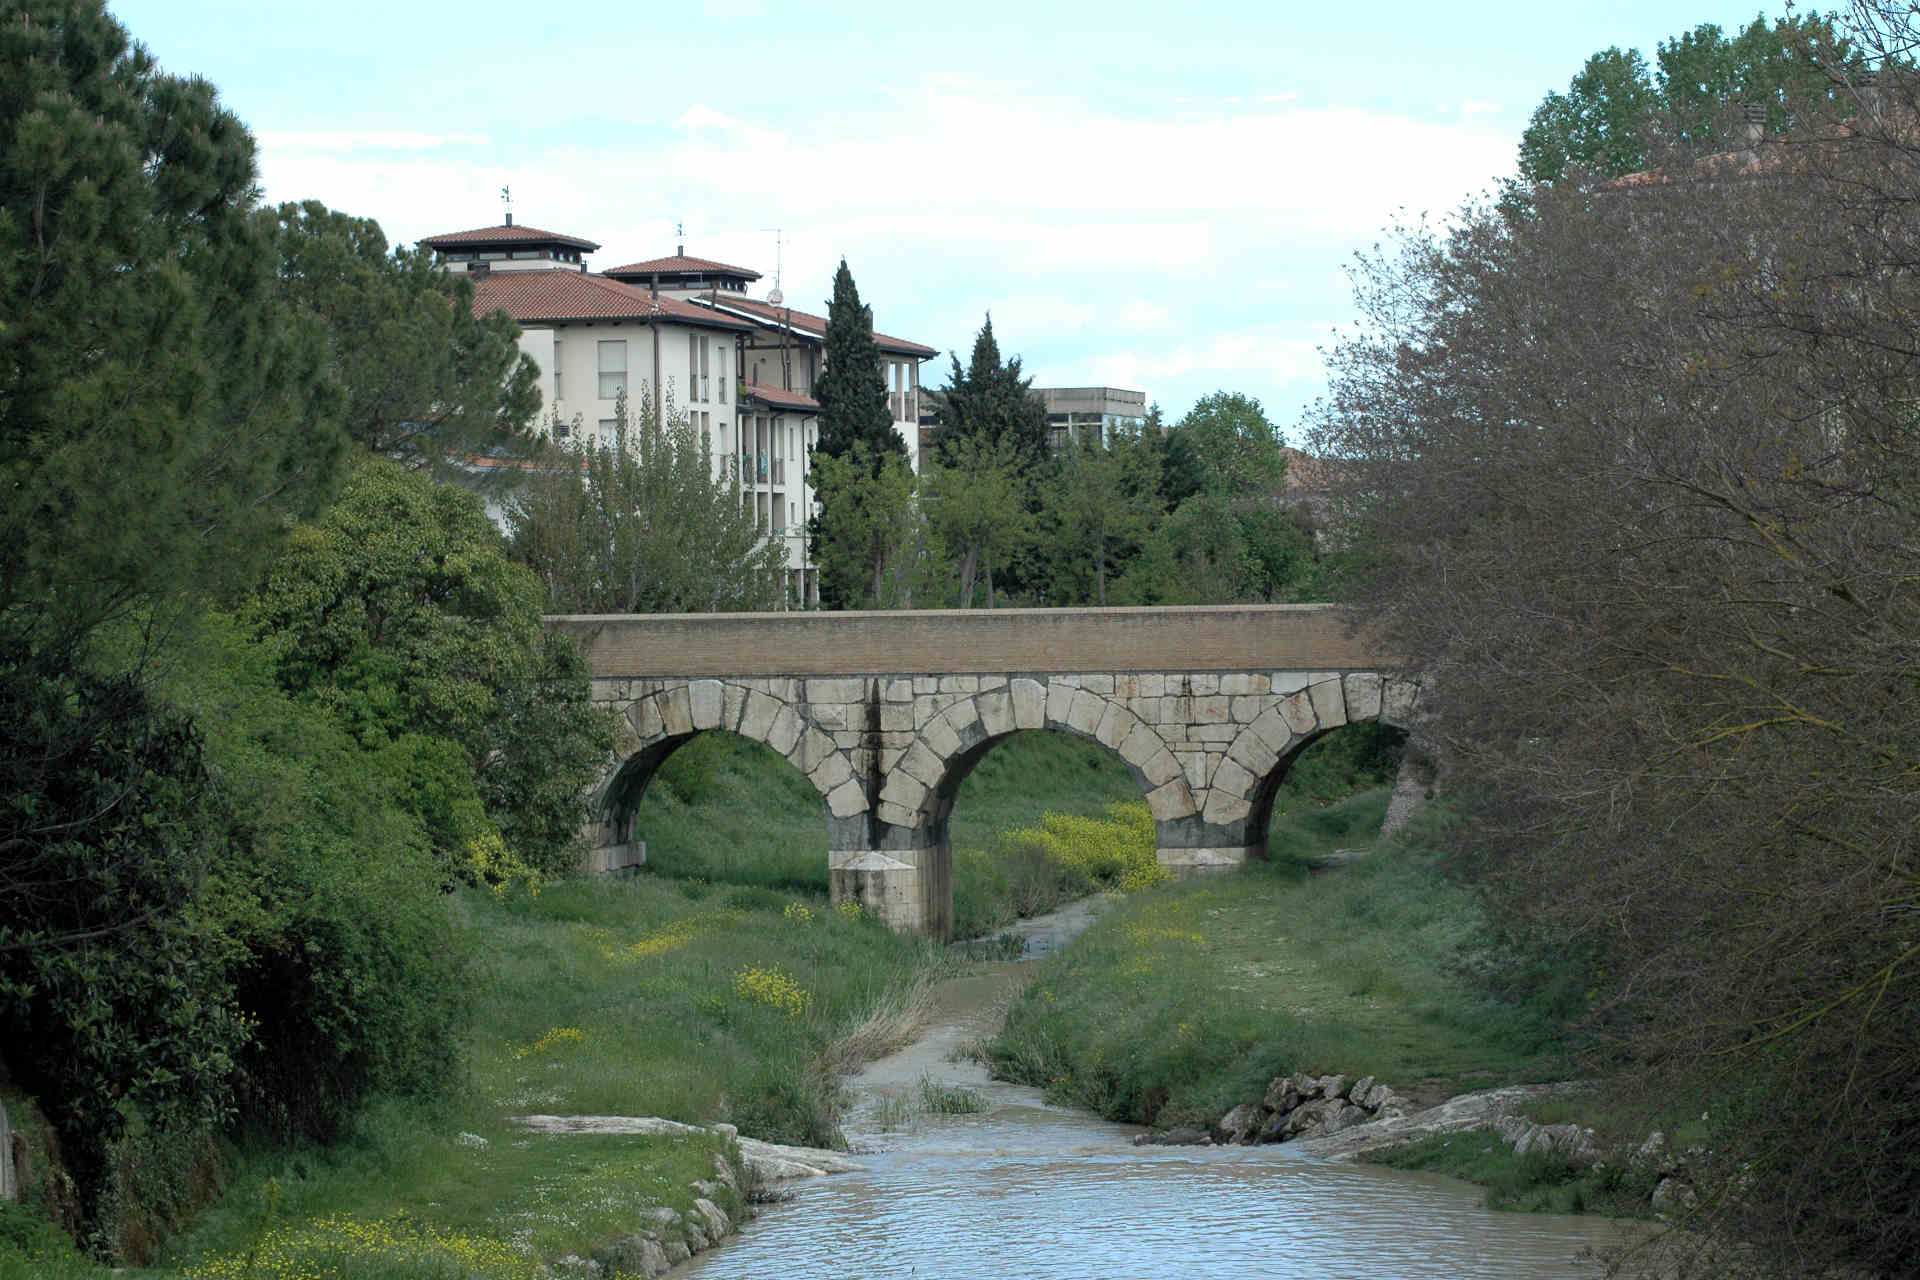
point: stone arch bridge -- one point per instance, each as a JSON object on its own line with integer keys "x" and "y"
{"x": 887, "y": 713}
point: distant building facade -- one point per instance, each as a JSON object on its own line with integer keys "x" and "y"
{"x": 1076, "y": 413}
{"x": 685, "y": 333}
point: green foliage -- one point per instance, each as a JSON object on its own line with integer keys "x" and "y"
{"x": 989, "y": 404}
{"x": 1539, "y": 1182}
{"x": 640, "y": 524}
{"x": 1095, "y": 509}
{"x": 399, "y": 613}
{"x": 424, "y": 377}
{"x": 1237, "y": 449}
{"x": 1617, "y": 114}
{"x": 115, "y": 987}
{"x": 870, "y": 530}
{"x": 160, "y": 406}
{"x": 851, "y": 388}
{"x": 976, "y": 508}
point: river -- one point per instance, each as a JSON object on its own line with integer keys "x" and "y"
{"x": 1029, "y": 1189}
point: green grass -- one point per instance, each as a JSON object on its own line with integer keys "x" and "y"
{"x": 691, "y": 1001}
{"x": 1186, "y": 1000}
{"x": 726, "y": 809}
{"x": 1534, "y": 1183}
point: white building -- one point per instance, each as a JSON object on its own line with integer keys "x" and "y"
{"x": 683, "y": 332}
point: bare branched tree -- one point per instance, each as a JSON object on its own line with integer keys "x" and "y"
{"x": 1639, "y": 470}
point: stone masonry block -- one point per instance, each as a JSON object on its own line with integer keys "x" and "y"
{"x": 897, "y": 814}
{"x": 1329, "y": 703}
{"x": 1253, "y": 754}
{"x": 1290, "y": 681}
{"x": 735, "y": 702}
{"x": 1059, "y": 701}
{"x": 1230, "y": 777}
{"x": 1176, "y": 709}
{"x": 896, "y": 716}
{"x": 1140, "y": 745}
{"x": 1084, "y": 714}
{"x": 1115, "y": 724}
{"x": 1171, "y": 802}
{"x": 644, "y": 716}
{"x": 813, "y": 747}
{"x": 959, "y": 684}
{"x": 706, "y": 700}
{"x": 920, "y": 762}
{"x": 1247, "y": 709}
{"x": 758, "y": 716}
{"x": 899, "y": 690}
{"x": 1211, "y": 709}
{"x": 677, "y": 710}
{"x": 847, "y": 799}
{"x": 940, "y": 737}
{"x": 926, "y": 684}
{"x": 1298, "y": 710}
{"x": 1396, "y": 702}
{"x": 996, "y": 712}
{"x": 1213, "y": 733}
{"x": 1126, "y": 686}
{"x": 1224, "y": 807}
{"x": 1161, "y": 767}
{"x": 961, "y": 714}
{"x": 831, "y": 772}
{"x": 785, "y": 730}
{"x": 1203, "y": 684}
{"x": 1363, "y": 695}
{"x": 835, "y": 715}
{"x": 1194, "y": 765}
{"x": 904, "y": 790}
{"x": 992, "y": 682}
{"x": 1153, "y": 686}
{"x": 1029, "y": 704}
{"x": 1098, "y": 683}
{"x": 848, "y": 739}
{"x": 835, "y": 689}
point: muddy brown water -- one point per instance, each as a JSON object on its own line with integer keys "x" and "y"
{"x": 1030, "y": 1189}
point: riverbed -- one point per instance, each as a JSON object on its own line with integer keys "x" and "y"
{"x": 1030, "y": 1189}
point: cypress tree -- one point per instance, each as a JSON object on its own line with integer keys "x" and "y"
{"x": 852, "y": 389}
{"x": 989, "y": 401}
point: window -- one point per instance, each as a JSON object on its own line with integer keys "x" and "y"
{"x": 706, "y": 391}
{"x": 558, "y": 364}
{"x": 562, "y": 430}
{"x": 693, "y": 368}
{"x": 723, "y": 374}
{"x": 613, "y": 369}
{"x": 608, "y": 428}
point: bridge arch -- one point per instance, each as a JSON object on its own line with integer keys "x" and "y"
{"x": 661, "y": 716}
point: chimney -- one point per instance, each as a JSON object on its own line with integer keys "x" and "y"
{"x": 1753, "y": 123}
{"x": 509, "y": 217}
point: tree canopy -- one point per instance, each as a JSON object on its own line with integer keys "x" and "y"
{"x": 1636, "y": 472}
{"x": 989, "y": 400}
{"x": 851, "y": 388}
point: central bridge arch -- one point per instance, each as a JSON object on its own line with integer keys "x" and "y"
{"x": 887, "y": 713}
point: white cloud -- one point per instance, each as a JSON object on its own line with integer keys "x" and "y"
{"x": 365, "y": 140}
{"x": 1475, "y": 107}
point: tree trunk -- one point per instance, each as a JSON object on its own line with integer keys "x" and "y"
{"x": 967, "y": 569}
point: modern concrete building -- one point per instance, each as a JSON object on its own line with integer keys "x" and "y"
{"x": 684, "y": 333}
{"x": 1073, "y": 412}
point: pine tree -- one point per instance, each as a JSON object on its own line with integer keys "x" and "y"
{"x": 990, "y": 401}
{"x": 851, "y": 388}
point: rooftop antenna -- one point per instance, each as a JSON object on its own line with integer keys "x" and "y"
{"x": 776, "y": 297}
{"x": 506, "y": 198}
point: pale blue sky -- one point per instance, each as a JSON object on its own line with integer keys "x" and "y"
{"x": 1160, "y": 199}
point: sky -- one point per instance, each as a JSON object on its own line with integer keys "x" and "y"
{"x": 1163, "y": 198}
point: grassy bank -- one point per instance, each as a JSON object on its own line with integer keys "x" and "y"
{"x": 1187, "y": 1000}
{"x": 692, "y": 1001}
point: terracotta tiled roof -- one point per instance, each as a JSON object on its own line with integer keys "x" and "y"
{"x": 680, "y": 265}
{"x": 814, "y": 326}
{"x": 776, "y": 398}
{"x": 505, "y": 235}
{"x": 565, "y": 294}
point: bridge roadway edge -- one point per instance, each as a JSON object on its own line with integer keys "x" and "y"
{"x": 887, "y": 712}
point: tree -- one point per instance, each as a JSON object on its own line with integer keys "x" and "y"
{"x": 1236, "y": 448}
{"x": 642, "y": 525}
{"x": 1618, "y": 116}
{"x": 851, "y": 388}
{"x": 976, "y": 505}
{"x": 1637, "y": 471}
{"x": 160, "y": 410}
{"x": 1095, "y": 511}
{"x": 424, "y": 377}
{"x": 989, "y": 400}
{"x": 870, "y": 531}
{"x": 400, "y": 614}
